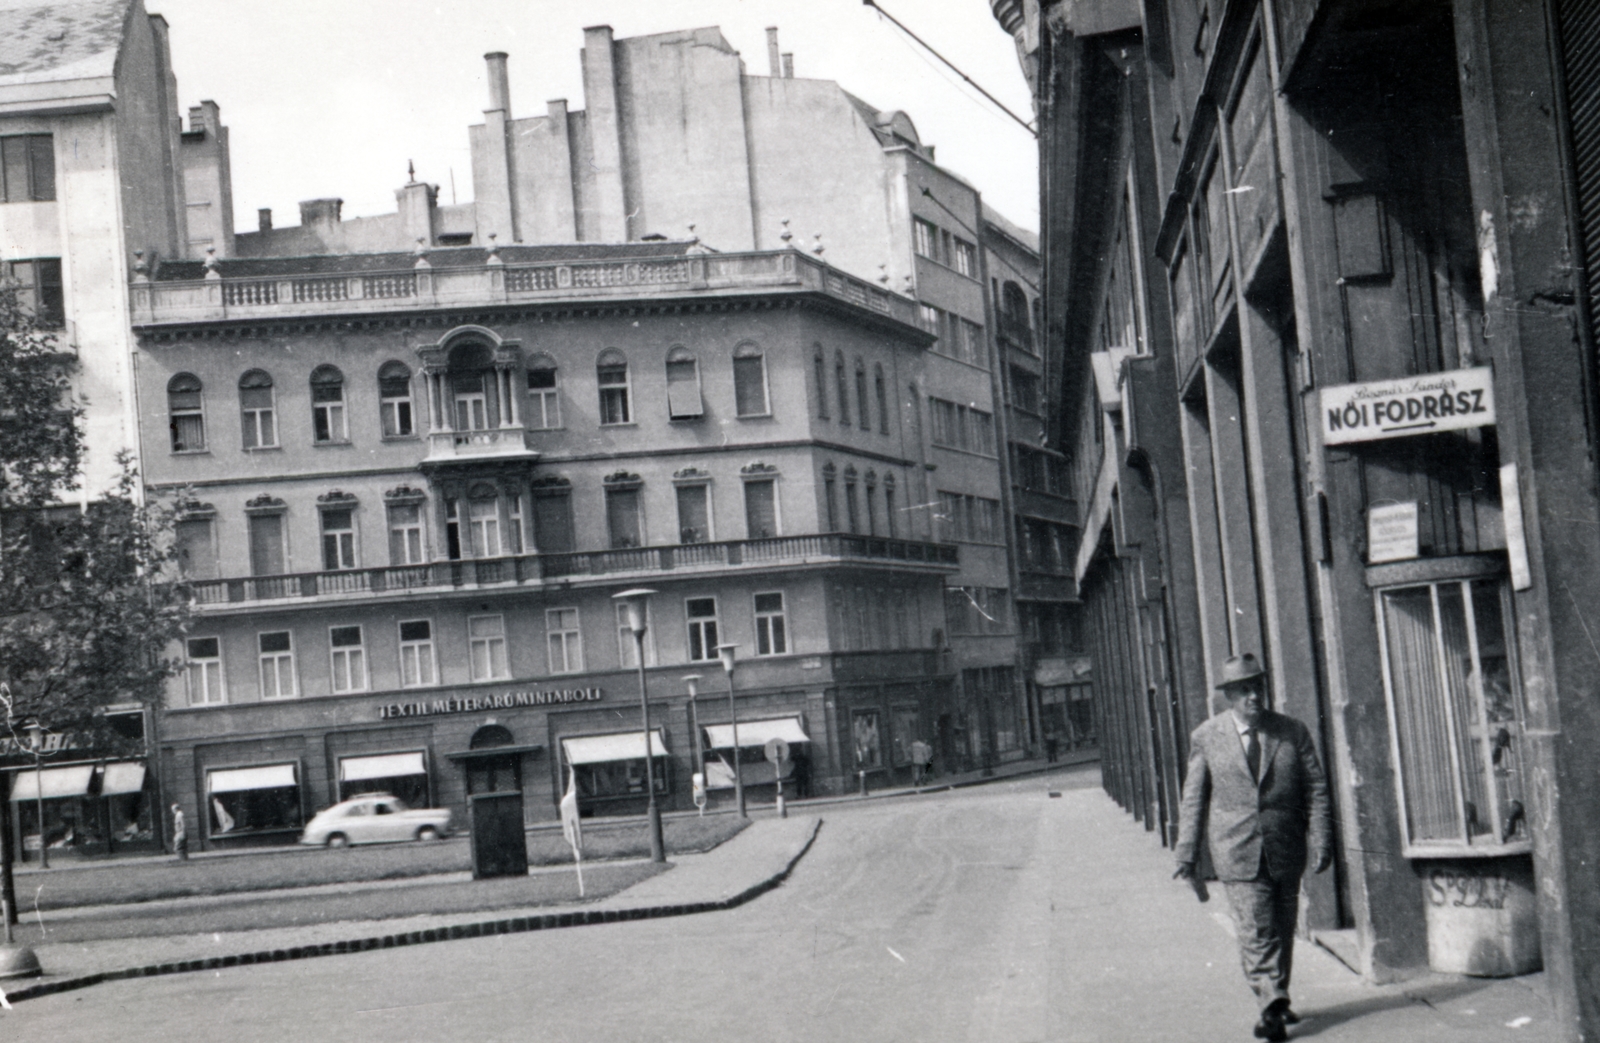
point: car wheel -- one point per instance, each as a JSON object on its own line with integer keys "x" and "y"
{"x": 427, "y": 833}
{"x": 338, "y": 840}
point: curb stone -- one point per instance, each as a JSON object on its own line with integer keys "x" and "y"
{"x": 512, "y": 925}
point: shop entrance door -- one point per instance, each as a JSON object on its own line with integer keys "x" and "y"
{"x": 494, "y": 805}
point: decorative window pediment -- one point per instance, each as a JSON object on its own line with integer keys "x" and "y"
{"x": 551, "y": 485}
{"x": 336, "y": 499}
{"x": 758, "y": 470}
{"x": 623, "y": 480}
{"x": 266, "y": 503}
{"x": 404, "y": 494}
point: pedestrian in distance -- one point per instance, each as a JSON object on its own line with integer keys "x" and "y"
{"x": 921, "y": 757}
{"x": 180, "y": 834}
{"x": 1255, "y": 788}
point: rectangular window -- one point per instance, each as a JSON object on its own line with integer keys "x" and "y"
{"x": 197, "y": 548}
{"x": 945, "y": 239}
{"x": 186, "y": 414}
{"x": 1456, "y": 715}
{"x": 255, "y": 404}
{"x": 472, "y": 405}
{"x": 416, "y": 654}
{"x": 830, "y": 500}
{"x": 338, "y": 540}
{"x": 1024, "y": 390}
{"x": 867, "y": 740}
{"x": 623, "y": 523}
{"x": 750, "y": 385}
{"x": 964, "y": 258}
{"x": 39, "y": 290}
{"x": 928, "y": 319}
{"x": 552, "y": 523}
{"x": 266, "y": 545}
{"x": 327, "y": 412}
{"x": 565, "y": 639}
{"x": 974, "y": 346}
{"x": 544, "y": 402}
{"x": 683, "y": 390}
{"x": 452, "y": 529}
{"x": 514, "y": 523}
{"x": 486, "y": 640}
{"x": 962, "y": 427}
{"x": 702, "y": 613}
{"x": 27, "y": 168}
{"x": 277, "y": 665}
{"x": 204, "y": 667}
{"x": 627, "y": 646}
{"x": 694, "y": 518}
{"x": 394, "y": 406}
{"x": 852, "y": 509}
{"x": 760, "y": 509}
{"x": 925, "y": 238}
{"x": 405, "y": 534}
{"x": 349, "y": 659}
{"x": 614, "y": 394}
{"x": 772, "y": 632}
{"x": 484, "y": 517}
{"x": 890, "y": 523}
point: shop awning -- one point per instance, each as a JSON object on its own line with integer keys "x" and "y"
{"x": 619, "y": 746}
{"x": 382, "y": 766}
{"x": 235, "y": 780}
{"x": 756, "y": 733}
{"x": 122, "y": 777}
{"x": 55, "y": 782}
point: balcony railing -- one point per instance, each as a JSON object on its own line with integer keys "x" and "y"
{"x": 223, "y": 297}
{"x": 532, "y": 569}
{"x": 498, "y": 441}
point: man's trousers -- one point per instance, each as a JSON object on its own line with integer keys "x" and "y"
{"x": 1265, "y": 912}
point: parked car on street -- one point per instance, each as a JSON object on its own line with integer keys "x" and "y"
{"x": 375, "y": 818}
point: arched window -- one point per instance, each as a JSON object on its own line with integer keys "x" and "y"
{"x": 327, "y": 405}
{"x": 611, "y": 372}
{"x": 683, "y": 386}
{"x": 544, "y": 401}
{"x": 185, "y": 418}
{"x": 394, "y": 400}
{"x": 890, "y": 522}
{"x": 820, "y": 366}
{"x": 883, "y": 398}
{"x": 256, "y": 410}
{"x": 863, "y": 411}
{"x": 750, "y": 381}
{"x": 830, "y": 498}
{"x": 842, "y": 380}
{"x": 1014, "y": 305}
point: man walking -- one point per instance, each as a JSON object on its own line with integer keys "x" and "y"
{"x": 1256, "y": 788}
{"x": 180, "y": 834}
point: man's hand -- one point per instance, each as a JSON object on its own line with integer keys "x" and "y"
{"x": 1185, "y": 871}
{"x": 1324, "y": 860}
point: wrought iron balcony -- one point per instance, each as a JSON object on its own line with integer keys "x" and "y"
{"x": 532, "y": 570}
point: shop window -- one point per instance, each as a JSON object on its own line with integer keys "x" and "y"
{"x": 760, "y": 508}
{"x": 694, "y": 515}
{"x": 185, "y": 417}
{"x": 611, "y": 371}
{"x": 819, "y": 376}
{"x": 401, "y": 775}
{"x": 27, "y": 168}
{"x": 750, "y": 381}
{"x": 683, "y": 386}
{"x": 263, "y": 799}
{"x": 1455, "y": 711}
{"x": 204, "y": 670}
{"x": 772, "y": 631}
{"x": 349, "y": 659}
{"x": 544, "y": 397}
{"x": 40, "y": 292}
{"x": 627, "y": 650}
{"x": 565, "y": 639}
{"x": 338, "y": 539}
{"x": 266, "y": 545}
{"x": 394, "y": 400}
{"x": 867, "y": 740}
{"x": 417, "y": 667}
{"x": 256, "y": 410}
{"x": 607, "y": 769}
{"x": 327, "y": 405}
{"x": 277, "y": 664}
{"x": 702, "y": 614}
{"x": 405, "y": 534}
{"x": 486, "y": 641}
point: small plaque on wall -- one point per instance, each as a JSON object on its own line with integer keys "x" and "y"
{"x": 1391, "y": 532}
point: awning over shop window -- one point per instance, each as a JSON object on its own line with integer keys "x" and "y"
{"x": 619, "y": 746}
{"x": 122, "y": 777}
{"x": 756, "y": 733}
{"x": 382, "y": 766}
{"x": 235, "y": 780}
{"x": 55, "y": 782}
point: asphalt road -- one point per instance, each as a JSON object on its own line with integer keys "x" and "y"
{"x": 919, "y": 919}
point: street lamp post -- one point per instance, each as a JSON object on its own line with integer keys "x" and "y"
{"x": 693, "y": 681}
{"x": 725, "y": 653}
{"x": 636, "y": 603}
{"x": 35, "y": 732}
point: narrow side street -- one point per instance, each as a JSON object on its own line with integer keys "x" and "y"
{"x": 991, "y": 914}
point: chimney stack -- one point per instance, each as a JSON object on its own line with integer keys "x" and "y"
{"x": 320, "y": 212}
{"x": 774, "y": 61}
{"x": 788, "y": 66}
{"x": 499, "y": 83}
{"x": 264, "y": 219}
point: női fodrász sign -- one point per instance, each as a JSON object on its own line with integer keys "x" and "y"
{"x": 1450, "y": 400}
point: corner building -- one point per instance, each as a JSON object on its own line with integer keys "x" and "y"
{"x": 409, "y": 485}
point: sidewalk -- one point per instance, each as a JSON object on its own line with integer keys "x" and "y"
{"x": 753, "y": 862}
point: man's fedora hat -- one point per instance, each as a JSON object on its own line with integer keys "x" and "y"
{"x": 1238, "y": 670}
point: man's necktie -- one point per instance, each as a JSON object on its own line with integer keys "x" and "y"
{"x": 1252, "y": 753}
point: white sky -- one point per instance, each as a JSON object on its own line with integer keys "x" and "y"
{"x": 332, "y": 97}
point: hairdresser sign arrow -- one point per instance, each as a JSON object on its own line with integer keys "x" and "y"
{"x": 1451, "y": 400}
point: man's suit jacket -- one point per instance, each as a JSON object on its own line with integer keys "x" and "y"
{"x": 1252, "y": 823}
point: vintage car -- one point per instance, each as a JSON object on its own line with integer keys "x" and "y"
{"x": 375, "y": 818}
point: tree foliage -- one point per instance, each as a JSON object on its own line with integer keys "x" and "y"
{"x": 41, "y": 444}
